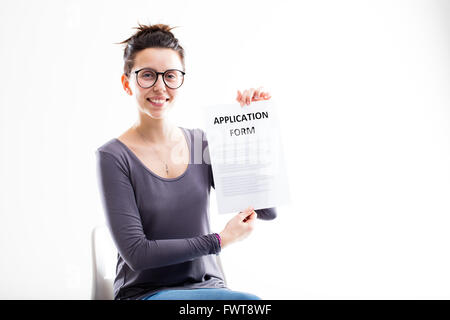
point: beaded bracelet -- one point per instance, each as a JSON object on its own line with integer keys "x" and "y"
{"x": 218, "y": 238}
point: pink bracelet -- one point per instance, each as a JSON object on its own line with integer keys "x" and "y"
{"x": 218, "y": 238}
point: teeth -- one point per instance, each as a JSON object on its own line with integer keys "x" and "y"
{"x": 158, "y": 101}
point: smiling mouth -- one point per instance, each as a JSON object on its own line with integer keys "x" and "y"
{"x": 157, "y": 102}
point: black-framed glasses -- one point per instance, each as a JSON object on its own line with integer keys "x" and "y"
{"x": 147, "y": 78}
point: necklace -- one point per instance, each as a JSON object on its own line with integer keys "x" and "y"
{"x": 164, "y": 162}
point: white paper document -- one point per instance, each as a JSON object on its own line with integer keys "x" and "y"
{"x": 246, "y": 156}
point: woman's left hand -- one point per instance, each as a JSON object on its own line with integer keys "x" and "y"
{"x": 252, "y": 94}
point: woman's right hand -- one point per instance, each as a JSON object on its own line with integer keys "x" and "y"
{"x": 239, "y": 227}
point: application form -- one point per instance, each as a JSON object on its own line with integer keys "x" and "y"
{"x": 246, "y": 156}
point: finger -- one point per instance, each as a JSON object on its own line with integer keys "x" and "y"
{"x": 239, "y": 96}
{"x": 244, "y": 93}
{"x": 249, "y": 212}
{"x": 245, "y": 215}
{"x": 243, "y": 97}
{"x": 264, "y": 95}
{"x": 250, "y": 95}
{"x": 246, "y": 219}
{"x": 251, "y": 217}
{"x": 258, "y": 94}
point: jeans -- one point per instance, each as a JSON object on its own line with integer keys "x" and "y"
{"x": 202, "y": 294}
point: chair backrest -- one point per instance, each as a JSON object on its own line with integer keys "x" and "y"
{"x": 104, "y": 259}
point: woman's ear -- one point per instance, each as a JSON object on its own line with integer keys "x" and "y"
{"x": 126, "y": 84}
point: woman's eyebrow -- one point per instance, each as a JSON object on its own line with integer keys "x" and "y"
{"x": 171, "y": 68}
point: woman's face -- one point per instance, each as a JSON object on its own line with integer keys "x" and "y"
{"x": 157, "y": 100}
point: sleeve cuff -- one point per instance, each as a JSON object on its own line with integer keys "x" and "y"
{"x": 215, "y": 248}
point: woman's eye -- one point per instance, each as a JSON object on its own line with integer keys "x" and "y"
{"x": 171, "y": 76}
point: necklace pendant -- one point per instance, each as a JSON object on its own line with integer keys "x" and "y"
{"x": 167, "y": 169}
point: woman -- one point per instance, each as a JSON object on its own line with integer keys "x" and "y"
{"x": 155, "y": 196}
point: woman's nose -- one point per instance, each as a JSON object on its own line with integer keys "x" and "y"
{"x": 159, "y": 84}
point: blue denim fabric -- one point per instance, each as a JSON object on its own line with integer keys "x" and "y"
{"x": 202, "y": 294}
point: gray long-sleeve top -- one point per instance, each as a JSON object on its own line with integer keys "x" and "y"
{"x": 160, "y": 226}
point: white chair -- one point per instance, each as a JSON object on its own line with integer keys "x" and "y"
{"x": 104, "y": 259}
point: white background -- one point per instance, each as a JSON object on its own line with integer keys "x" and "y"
{"x": 364, "y": 88}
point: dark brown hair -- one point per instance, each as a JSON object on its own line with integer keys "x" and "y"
{"x": 149, "y": 36}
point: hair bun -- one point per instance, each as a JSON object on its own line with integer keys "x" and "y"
{"x": 154, "y": 28}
